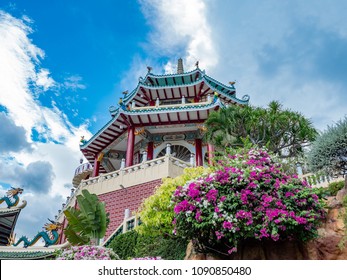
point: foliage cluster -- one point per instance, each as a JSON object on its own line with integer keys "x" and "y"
{"x": 334, "y": 187}
{"x": 329, "y": 150}
{"x": 248, "y": 196}
{"x": 86, "y": 252}
{"x": 134, "y": 245}
{"x": 156, "y": 212}
{"x": 283, "y": 132}
{"x": 87, "y": 223}
{"x": 331, "y": 190}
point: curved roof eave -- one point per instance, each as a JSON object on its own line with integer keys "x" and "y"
{"x": 204, "y": 78}
{"x": 119, "y": 111}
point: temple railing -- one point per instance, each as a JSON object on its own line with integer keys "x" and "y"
{"x": 83, "y": 167}
{"x": 147, "y": 171}
{"x": 319, "y": 179}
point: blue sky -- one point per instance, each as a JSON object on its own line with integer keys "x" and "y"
{"x": 63, "y": 63}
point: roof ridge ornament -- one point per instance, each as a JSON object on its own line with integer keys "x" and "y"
{"x": 180, "y": 66}
{"x": 149, "y": 68}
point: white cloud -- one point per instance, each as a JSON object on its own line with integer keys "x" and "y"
{"x": 74, "y": 83}
{"x": 44, "y": 80}
{"x": 21, "y": 76}
{"x": 181, "y": 28}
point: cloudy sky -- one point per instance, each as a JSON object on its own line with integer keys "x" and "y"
{"x": 63, "y": 63}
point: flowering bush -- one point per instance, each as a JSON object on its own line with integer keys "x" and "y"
{"x": 247, "y": 197}
{"x": 86, "y": 252}
{"x": 148, "y": 258}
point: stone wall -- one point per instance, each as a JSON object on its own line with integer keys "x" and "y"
{"x": 128, "y": 198}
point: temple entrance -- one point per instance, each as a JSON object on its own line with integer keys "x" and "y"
{"x": 177, "y": 151}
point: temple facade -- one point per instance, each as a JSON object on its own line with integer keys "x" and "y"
{"x": 155, "y": 132}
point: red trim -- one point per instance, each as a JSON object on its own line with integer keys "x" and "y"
{"x": 140, "y": 121}
{"x": 150, "y": 94}
{"x": 96, "y": 166}
{"x": 178, "y": 117}
{"x": 150, "y": 149}
{"x": 165, "y": 93}
{"x": 130, "y": 147}
{"x": 151, "y": 81}
{"x": 210, "y": 152}
{"x": 145, "y": 93}
{"x": 188, "y": 118}
{"x": 198, "y": 152}
{"x": 127, "y": 122}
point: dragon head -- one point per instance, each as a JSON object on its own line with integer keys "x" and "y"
{"x": 52, "y": 225}
{"x": 13, "y": 191}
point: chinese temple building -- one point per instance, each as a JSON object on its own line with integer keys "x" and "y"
{"x": 155, "y": 132}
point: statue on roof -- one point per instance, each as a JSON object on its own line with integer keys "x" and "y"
{"x": 50, "y": 236}
{"x": 11, "y": 194}
{"x": 83, "y": 141}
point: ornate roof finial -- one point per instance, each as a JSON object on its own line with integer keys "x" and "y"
{"x": 180, "y": 66}
{"x": 197, "y": 64}
{"x": 149, "y": 68}
{"x": 125, "y": 92}
{"x": 232, "y": 83}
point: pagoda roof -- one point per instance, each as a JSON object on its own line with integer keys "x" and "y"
{"x": 125, "y": 116}
{"x": 195, "y": 83}
{"x": 8, "y": 220}
{"x": 29, "y": 253}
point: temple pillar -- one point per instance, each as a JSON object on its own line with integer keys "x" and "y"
{"x": 97, "y": 160}
{"x": 130, "y": 147}
{"x": 198, "y": 152}
{"x": 150, "y": 150}
{"x": 210, "y": 151}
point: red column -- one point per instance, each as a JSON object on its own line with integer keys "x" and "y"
{"x": 152, "y": 103}
{"x": 198, "y": 152}
{"x": 130, "y": 147}
{"x": 210, "y": 151}
{"x": 96, "y": 166}
{"x": 150, "y": 148}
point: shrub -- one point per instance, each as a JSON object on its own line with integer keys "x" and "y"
{"x": 124, "y": 245}
{"x": 86, "y": 253}
{"x": 156, "y": 212}
{"x": 334, "y": 187}
{"x": 247, "y": 197}
{"x": 132, "y": 244}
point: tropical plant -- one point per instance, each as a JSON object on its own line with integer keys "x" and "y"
{"x": 156, "y": 212}
{"x": 247, "y": 197}
{"x": 132, "y": 244}
{"x": 283, "y": 132}
{"x": 86, "y": 252}
{"x": 87, "y": 223}
{"x": 329, "y": 150}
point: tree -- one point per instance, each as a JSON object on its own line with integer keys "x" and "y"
{"x": 88, "y": 223}
{"x": 329, "y": 151}
{"x": 283, "y": 132}
{"x": 156, "y": 212}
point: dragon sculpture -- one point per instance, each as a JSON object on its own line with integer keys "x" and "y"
{"x": 50, "y": 236}
{"x": 11, "y": 194}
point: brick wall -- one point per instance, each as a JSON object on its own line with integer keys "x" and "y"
{"x": 129, "y": 198}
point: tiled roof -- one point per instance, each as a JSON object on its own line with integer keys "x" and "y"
{"x": 24, "y": 255}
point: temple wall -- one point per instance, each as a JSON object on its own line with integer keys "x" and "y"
{"x": 126, "y": 188}
{"x": 130, "y": 198}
